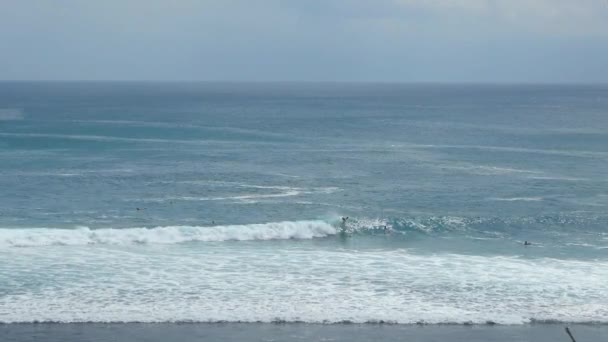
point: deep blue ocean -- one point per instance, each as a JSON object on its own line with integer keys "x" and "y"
{"x": 222, "y": 202}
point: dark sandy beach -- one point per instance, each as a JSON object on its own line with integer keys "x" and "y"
{"x": 87, "y": 332}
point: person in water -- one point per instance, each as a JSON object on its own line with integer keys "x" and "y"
{"x": 343, "y": 224}
{"x": 526, "y": 243}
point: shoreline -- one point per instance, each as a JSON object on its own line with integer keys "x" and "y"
{"x": 51, "y": 332}
{"x": 342, "y": 323}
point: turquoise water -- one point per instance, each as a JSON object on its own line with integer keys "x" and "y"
{"x": 144, "y": 202}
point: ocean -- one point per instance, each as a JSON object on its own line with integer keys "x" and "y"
{"x": 126, "y": 203}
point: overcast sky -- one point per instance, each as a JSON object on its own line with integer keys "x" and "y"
{"x": 305, "y": 40}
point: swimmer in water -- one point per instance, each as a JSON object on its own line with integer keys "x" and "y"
{"x": 526, "y": 243}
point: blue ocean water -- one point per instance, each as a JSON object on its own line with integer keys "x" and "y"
{"x": 208, "y": 202}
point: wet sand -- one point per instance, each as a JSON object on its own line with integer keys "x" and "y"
{"x": 184, "y": 332}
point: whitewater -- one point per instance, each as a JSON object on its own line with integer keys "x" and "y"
{"x": 190, "y": 274}
{"x": 164, "y": 235}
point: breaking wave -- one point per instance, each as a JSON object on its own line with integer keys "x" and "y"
{"x": 165, "y": 235}
{"x": 476, "y": 227}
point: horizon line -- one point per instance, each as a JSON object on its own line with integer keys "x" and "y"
{"x": 596, "y": 83}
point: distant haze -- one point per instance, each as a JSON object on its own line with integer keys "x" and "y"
{"x": 305, "y": 40}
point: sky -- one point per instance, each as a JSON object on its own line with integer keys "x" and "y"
{"x": 513, "y": 41}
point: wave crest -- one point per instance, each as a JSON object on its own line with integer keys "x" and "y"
{"x": 165, "y": 235}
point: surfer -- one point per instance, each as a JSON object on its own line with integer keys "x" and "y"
{"x": 526, "y": 243}
{"x": 343, "y": 224}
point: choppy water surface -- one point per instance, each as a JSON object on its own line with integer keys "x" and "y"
{"x": 129, "y": 202}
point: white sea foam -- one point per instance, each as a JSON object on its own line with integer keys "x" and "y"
{"x": 570, "y": 153}
{"x": 105, "y": 138}
{"x": 242, "y": 197}
{"x": 281, "y": 191}
{"x": 164, "y": 235}
{"x": 559, "y": 178}
{"x": 139, "y": 123}
{"x": 488, "y": 170}
{"x": 268, "y": 283}
{"x": 179, "y": 125}
{"x": 367, "y": 224}
{"x": 11, "y": 114}
{"x": 71, "y": 172}
{"x": 517, "y": 199}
